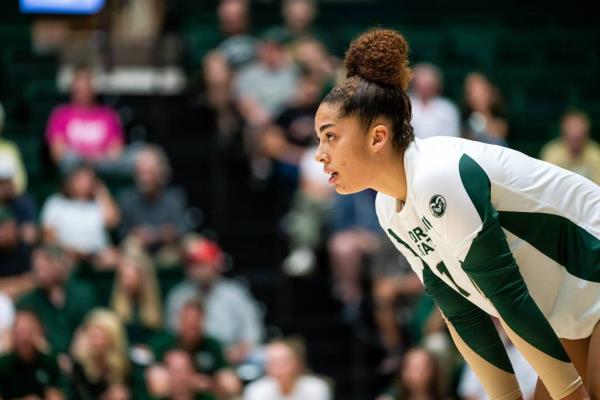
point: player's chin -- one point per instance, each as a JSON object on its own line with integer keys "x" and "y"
{"x": 344, "y": 188}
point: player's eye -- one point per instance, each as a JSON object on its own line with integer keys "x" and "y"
{"x": 329, "y": 137}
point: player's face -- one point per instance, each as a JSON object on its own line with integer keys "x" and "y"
{"x": 343, "y": 150}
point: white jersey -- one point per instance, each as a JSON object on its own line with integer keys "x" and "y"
{"x": 550, "y": 217}
{"x": 490, "y": 230}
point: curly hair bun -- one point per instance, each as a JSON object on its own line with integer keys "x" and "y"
{"x": 379, "y": 56}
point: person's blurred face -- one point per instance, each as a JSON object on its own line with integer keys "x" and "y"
{"x": 130, "y": 276}
{"x": 271, "y": 54}
{"x": 82, "y": 91}
{"x": 479, "y": 93}
{"x": 82, "y": 184}
{"x": 47, "y": 270}
{"x": 281, "y": 363}
{"x": 27, "y": 331}
{"x": 180, "y": 368}
{"x": 7, "y": 189}
{"x": 309, "y": 91}
{"x": 426, "y": 83}
{"x": 9, "y": 236}
{"x": 233, "y": 17}
{"x": 299, "y": 15}
{"x": 116, "y": 392}
{"x": 99, "y": 339}
{"x": 417, "y": 370}
{"x": 575, "y": 133}
{"x": 148, "y": 172}
{"x": 191, "y": 326}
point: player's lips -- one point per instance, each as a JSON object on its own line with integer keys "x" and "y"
{"x": 333, "y": 175}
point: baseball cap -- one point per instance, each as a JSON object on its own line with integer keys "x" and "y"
{"x": 204, "y": 252}
{"x": 276, "y": 35}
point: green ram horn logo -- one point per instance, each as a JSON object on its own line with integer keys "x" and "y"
{"x": 437, "y": 205}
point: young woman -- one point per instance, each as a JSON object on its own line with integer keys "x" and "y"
{"x": 488, "y": 230}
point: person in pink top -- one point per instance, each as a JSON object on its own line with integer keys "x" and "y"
{"x": 83, "y": 130}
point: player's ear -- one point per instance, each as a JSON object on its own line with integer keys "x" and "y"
{"x": 378, "y": 137}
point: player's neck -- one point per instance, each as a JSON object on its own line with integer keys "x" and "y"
{"x": 391, "y": 177}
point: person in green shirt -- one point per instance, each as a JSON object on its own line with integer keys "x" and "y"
{"x": 60, "y": 301}
{"x": 28, "y": 370}
{"x": 213, "y": 375}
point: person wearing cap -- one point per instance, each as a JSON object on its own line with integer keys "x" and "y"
{"x": 11, "y": 156}
{"x": 232, "y": 314}
{"x": 15, "y": 257}
{"x": 20, "y": 204}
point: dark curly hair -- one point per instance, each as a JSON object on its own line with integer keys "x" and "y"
{"x": 376, "y": 82}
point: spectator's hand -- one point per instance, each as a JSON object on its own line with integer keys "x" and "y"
{"x": 158, "y": 381}
{"x": 237, "y": 353}
{"x": 145, "y": 234}
{"x": 273, "y": 143}
{"x": 252, "y": 112}
{"x": 202, "y": 383}
{"x": 107, "y": 259}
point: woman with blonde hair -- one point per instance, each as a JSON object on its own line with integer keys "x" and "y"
{"x": 136, "y": 296}
{"x": 99, "y": 355}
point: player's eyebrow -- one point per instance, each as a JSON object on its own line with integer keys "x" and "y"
{"x": 325, "y": 126}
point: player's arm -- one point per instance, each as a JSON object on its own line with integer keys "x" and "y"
{"x": 476, "y": 338}
{"x": 473, "y": 230}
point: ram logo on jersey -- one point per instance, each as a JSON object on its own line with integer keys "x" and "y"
{"x": 437, "y": 205}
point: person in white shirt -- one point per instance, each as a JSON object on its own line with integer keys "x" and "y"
{"x": 432, "y": 115}
{"x": 287, "y": 377}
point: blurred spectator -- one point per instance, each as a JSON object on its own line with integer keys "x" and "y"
{"x": 218, "y": 77}
{"x": 287, "y": 376}
{"x": 79, "y": 217}
{"x": 312, "y": 55}
{"x": 395, "y": 291}
{"x": 483, "y": 111}
{"x": 136, "y": 297}
{"x": 60, "y": 301}
{"x": 212, "y": 376}
{"x": 264, "y": 87}
{"x": 116, "y": 392}
{"x": 85, "y": 131}
{"x": 355, "y": 235}
{"x": 15, "y": 258}
{"x": 20, "y": 204}
{"x": 153, "y": 212}
{"x": 287, "y": 138}
{"x": 11, "y": 158}
{"x": 7, "y": 319}
{"x": 418, "y": 379}
{"x": 28, "y": 370}
{"x": 432, "y": 115}
{"x": 470, "y": 388}
{"x": 238, "y": 46}
{"x": 299, "y": 16}
{"x": 99, "y": 356}
{"x": 232, "y": 315}
{"x": 574, "y": 150}
{"x": 306, "y": 222}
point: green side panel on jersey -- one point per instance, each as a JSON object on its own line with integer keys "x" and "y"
{"x": 559, "y": 239}
{"x": 474, "y": 325}
{"x": 493, "y": 268}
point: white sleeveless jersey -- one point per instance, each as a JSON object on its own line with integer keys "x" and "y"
{"x": 550, "y": 217}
